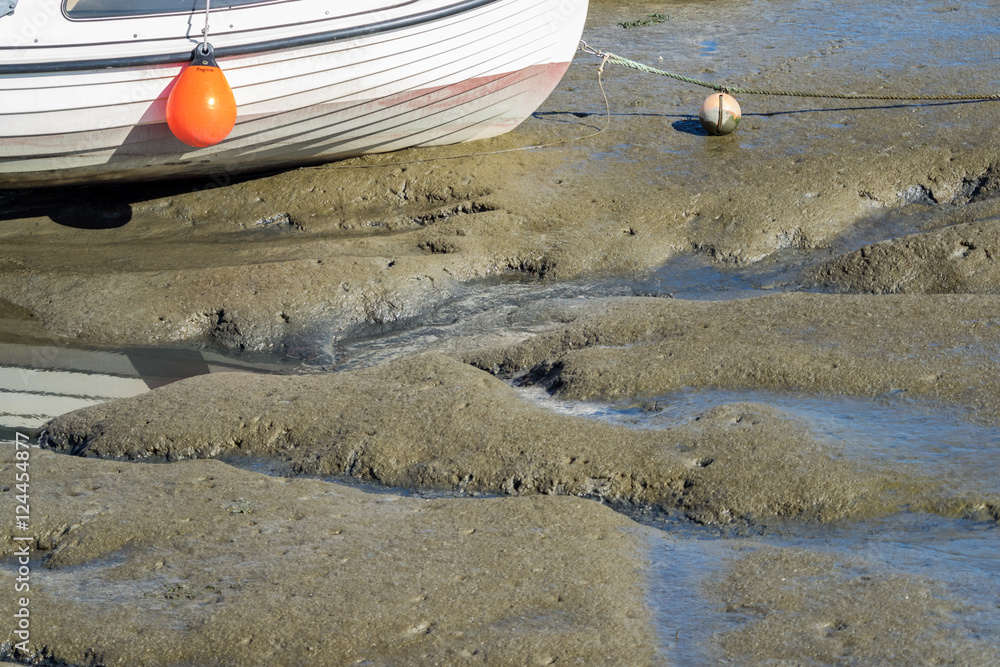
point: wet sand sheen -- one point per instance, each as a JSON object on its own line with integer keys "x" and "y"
{"x": 302, "y": 572}
{"x": 824, "y": 496}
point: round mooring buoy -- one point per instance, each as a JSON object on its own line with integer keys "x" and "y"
{"x": 720, "y": 114}
{"x": 201, "y": 109}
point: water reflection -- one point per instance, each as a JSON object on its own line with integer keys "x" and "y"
{"x": 39, "y": 382}
{"x": 891, "y": 430}
{"x": 954, "y": 557}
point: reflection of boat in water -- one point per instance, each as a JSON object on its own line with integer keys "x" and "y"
{"x": 38, "y": 383}
{"x": 84, "y": 83}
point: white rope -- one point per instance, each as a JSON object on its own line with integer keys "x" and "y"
{"x": 204, "y": 32}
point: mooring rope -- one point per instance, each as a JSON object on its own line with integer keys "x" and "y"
{"x": 204, "y": 31}
{"x": 625, "y": 62}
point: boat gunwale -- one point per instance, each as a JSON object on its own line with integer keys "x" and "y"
{"x": 254, "y": 4}
{"x": 312, "y": 39}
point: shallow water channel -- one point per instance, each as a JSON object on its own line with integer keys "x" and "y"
{"x": 956, "y": 557}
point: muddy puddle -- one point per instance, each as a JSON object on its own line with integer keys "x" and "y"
{"x": 956, "y": 558}
{"x": 953, "y": 562}
{"x": 927, "y": 437}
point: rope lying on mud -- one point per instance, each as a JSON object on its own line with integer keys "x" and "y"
{"x": 625, "y": 62}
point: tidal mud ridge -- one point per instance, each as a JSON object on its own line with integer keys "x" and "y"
{"x": 645, "y": 397}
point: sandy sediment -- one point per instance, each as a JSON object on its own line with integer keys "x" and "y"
{"x": 200, "y": 563}
{"x": 859, "y": 345}
{"x": 197, "y": 562}
{"x": 961, "y": 258}
{"x": 799, "y": 606}
{"x": 432, "y": 422}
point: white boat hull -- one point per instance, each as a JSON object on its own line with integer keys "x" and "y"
{"x": 474, "y": 74}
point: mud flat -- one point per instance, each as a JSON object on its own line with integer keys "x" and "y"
{"x": 502, "y": 324}
{"x": 960, "y": 258}
{"x": 832, "y": 607}
{"x": 288, "y": 262}
{"x": 433, "y": 422}
{"x": 429, "y": 422}
{"x": 199, "y": 563}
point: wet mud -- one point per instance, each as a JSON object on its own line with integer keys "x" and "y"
{"x": 959, "y": 259}
{"x": 247, "y": 569}
{"x": 774, "y": 353}
{"x": 833, "y": 607}
{"x": 287, "y": 261}
{"x": 430, "y": 422}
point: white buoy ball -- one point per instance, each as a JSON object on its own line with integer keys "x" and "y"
{"x": 720, "y": 114}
